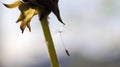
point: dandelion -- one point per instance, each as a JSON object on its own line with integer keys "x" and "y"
{"x": 30, "y": 8}
{"x": 42, "y": 8}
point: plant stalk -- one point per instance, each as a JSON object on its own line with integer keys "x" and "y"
{"x": 50, "y": 45}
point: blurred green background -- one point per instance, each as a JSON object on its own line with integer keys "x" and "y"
{"x": 91, "y": 34}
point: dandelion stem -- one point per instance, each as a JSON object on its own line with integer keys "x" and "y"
{"x": 50, "y": 45}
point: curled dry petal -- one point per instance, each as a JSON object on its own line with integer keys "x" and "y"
{"x": 26, "y": 21}
{"x": 13, "y": 5}
{"x": 26, "y": 15}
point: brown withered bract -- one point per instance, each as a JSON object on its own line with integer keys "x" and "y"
{"x": 49, "y": 6}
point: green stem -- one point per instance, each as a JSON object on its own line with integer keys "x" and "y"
{"x": 50, "y": 45}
